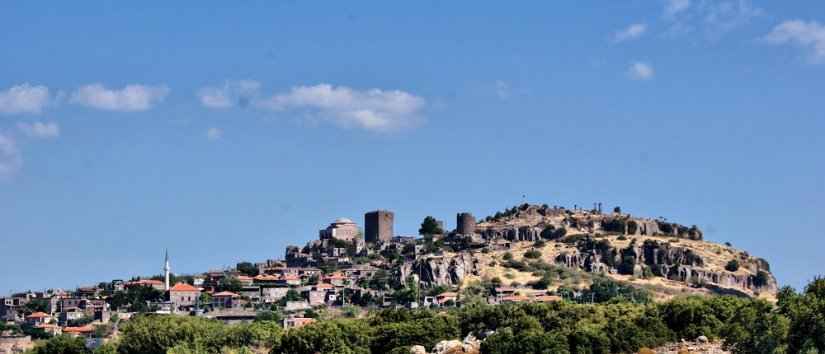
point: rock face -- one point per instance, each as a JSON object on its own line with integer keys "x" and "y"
{"x": 527, "y": 222}
{"x": 441, "y": 270}
{"x": 663, "y": 260}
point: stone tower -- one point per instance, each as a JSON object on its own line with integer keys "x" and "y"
{"x": 465, "y": 224}
{"x": 378, "y": 225}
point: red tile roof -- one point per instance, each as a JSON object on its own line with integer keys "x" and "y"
{"x": 183, "y": 287}
{"x": 81, "y": 329}
{"x": 38, "y": 315}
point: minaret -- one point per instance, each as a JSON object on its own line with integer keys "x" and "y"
{"x": 166, "y": 270}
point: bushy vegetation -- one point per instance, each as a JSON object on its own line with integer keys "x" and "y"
{"x": 732, "y": 266}
{"x": 619, "y": 324}
{"x": 532, "y": 254}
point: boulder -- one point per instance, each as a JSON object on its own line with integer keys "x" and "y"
{"x": 448, "y": 346}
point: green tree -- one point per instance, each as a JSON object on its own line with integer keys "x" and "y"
{"x": 508, "y": 341}
{"x": 62, "y": 344}
{"x": 247, "y": 268}
{"x": 37, "y": 305}
{"x": 291, "y": 295}
{"x": 335, "y": 336}
{"x": 757, "y": 328}
{"x": 424, "y": 332}
{"x": 732, "y": 265}
{"x": 430, "y": 226}
{"x": 269, "y": 316}
{"x": 230, "y": 283}
{"x": 806, "y": 313}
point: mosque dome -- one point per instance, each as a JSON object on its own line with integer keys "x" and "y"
{"x": 344, "y": 221}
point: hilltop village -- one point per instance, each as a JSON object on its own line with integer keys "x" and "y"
{"x": 527, "y": 253}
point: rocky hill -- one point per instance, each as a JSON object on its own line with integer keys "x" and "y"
{"x": 567, "y": 248}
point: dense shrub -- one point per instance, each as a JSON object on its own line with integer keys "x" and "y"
{"x": 532, "y": 254}
{"x": 62, "y": 344}
{"x": 426, "y": 332}
{"x": 732, "y": 266}
{"x": 334, "y": 336}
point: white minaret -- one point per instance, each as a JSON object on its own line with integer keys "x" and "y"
{"x": 166, "y": 270}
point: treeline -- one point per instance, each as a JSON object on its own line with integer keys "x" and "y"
{"x": 796, "y": 324}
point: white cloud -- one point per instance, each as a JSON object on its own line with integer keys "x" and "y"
{"x": 10, "y": 160}
{"x": 24, "y": 98}
{"x": 641, "y": 71}
{"x": 132, "y": 98}
{"x": 232, "y": 93}
{"x": 374, "y": 109}
{"x": 809, "y": 35}
{"x": 673, "y": 7}
{"x": 40, "y": 130}
{"x": 633, "y": 31}
{"x": 214, "y": 133}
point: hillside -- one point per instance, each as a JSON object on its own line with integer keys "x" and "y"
{"x": 566, "y": 248}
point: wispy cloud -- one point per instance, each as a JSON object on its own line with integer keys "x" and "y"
{"x": 24, "y": 98}
{"x": 232, "y": 93}
{"x": 214, "y": 133}
{"x": 641, "y": 71}
{"x": 131, "y": 98}
{"x": 374, "y": 109}
{"x": 40, "y": 130}
{"x": 673, "y": 7}
{"x": 713, "y": 17}
{"x": 10, "y": 159}
{"x": 634, "y": 31}
{"x": 808, "y": 35}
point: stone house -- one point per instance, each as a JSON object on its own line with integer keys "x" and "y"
{"x": 226, "y": 299}
{"x": 183, "y": 296}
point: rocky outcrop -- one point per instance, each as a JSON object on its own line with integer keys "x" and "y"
{"x": 447, "y": 270}
{"x": 470, "y": 345}
{"x": 526, "y": 223}
{"x": 664, "y": 260}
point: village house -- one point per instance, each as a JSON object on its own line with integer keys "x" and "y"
{"x": 183, "y": 296}
{"x": 226, "y": 299}
{"x": 245, "y": 280}
{"x": 297, "y": 322}
{"x": 336, "y": 279}
{"x": 87, "y": 331}
{"x": 289, "y": 280}
{"x": 50, "y": 328}
{"x": 152, "y": 283}
{"x": 38, "y": 318}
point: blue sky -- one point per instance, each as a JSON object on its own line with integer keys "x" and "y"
{"x": 226, "y": 133}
